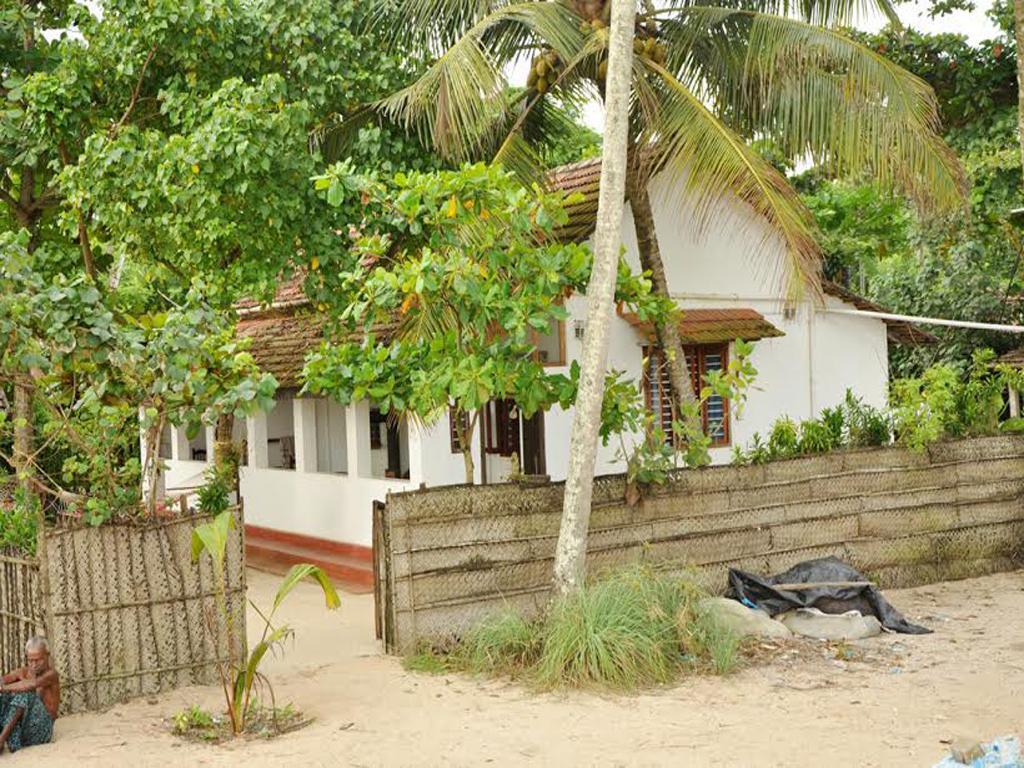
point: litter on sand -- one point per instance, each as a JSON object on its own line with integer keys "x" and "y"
{"x": 827, "y": 584}
{"x": 1001, "y": 753}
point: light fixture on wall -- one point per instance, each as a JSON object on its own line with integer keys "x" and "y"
{"x": 789, "y": 311}
{"x": 577, "y": 329}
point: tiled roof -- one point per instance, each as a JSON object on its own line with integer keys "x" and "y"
{"x": 281, "y": 342}
{"x": 899, "y": 331}
{"x": 289, "y": 293}
{"x": 583, "y": 177}
{"x": 709, "y": 326}
{"x": 281, "y": 339}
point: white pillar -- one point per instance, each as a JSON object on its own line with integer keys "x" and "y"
{"x": 256, "y": 430}
{"x": 416, "y": 447}
{"x": 357, "y": 423}
{"x": 1014, "y": 403}
{"x": 304, "y": 419}
{"x": 179, "y": 445}
{"x": 211, "y": 440}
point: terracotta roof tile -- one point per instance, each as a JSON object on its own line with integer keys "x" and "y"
{"x": 289, "y": 293}
{"x": 281, "y": 343}
{"x": 283, "y": 338}
{"x": 709, "y": 326}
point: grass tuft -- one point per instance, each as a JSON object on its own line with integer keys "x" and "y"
{"x": 632, "y": 629}
{"x": 502, "y": 644}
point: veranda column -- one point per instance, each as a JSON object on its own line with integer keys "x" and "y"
{"x": 357, "y": 422}
{"x": 256, "y": 429}
{"x": 304, "y": 418}
{"x": 179, "y": 445}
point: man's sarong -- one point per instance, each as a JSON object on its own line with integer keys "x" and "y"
{"x": 35, "y": 726}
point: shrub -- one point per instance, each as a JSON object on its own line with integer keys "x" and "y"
{"x": 835, "y": 422}
{"x": 18, "y": 525}
{"x": 215, "y": 495}
{"x": 621, "y": 632}
{"x": 866, "y": 426}
{"x": 707, "y": 640}
{"x": 784, "y": 439}
{"x": 924, "y": 408}
{"x": 816, "y": 437}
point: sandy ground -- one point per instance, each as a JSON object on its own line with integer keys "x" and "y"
{"x": 894, "y": 704}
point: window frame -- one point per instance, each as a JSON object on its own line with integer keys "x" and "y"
{"x": 563, "y": 354}
{"x": 504, "y": 438}
{"x": 696, "y": 359}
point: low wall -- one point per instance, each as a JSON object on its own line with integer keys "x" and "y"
{"x": 125, "y": 610}
{"x": 448, "y": 556}
{"x": 320, "y": 505}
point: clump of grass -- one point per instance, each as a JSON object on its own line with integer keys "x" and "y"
{"x": 631, "y": 629}
{"x": 620, "y": 632}
{"x": 502, "y": 644}
{"x": 709, "y": 643}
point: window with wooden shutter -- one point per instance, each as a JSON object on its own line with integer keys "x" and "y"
{"x": 701, "y": 359}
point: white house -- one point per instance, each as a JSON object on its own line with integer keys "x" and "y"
{"x": 314, "y": 468}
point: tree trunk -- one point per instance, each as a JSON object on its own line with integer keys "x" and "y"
{"x": 466, "y": 443}
{"x": 683, "y": 396}
{"x": 24, "y": 437}
{"x": 1018, "y": 32}
{"x": 571, "y": 553}
{"x": 151, "y": 466}
{"x": 225, "y": 453}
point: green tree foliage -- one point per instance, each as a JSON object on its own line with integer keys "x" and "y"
{"x": 157, "y": 156}
{"x": 453, "y": 276}
{"x": 95, "y": 368}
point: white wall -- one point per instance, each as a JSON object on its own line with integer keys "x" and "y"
{"x": 849, "y": 351}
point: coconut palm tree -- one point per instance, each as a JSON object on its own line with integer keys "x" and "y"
{"x": 707, "y": 78}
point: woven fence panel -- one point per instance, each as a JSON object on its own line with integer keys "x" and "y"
{"x": 450, "y": 556}
{"x": 20, "y": 608}
{"x": 132, "y": 613}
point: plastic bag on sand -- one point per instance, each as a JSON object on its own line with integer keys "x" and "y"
{"x": 1001, "y": 753}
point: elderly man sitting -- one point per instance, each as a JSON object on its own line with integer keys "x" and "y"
{"x": 29, "y": 699}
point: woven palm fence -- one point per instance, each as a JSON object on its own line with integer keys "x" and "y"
{"x": 126, "y": 609}
{"x": 20, "y": 608}
{"x": 447, "y": 557}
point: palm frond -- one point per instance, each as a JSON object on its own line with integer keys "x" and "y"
{"x": 827, "y": 13}
{"x": 819, "y": 94}
{"x": 459, "y": 101}
{"x": 430, "y": 26}
{"x": 705, "y": 162}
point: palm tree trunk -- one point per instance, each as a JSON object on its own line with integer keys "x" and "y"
{"x": 683, "y": 396}
{"x": 571, "y": 552}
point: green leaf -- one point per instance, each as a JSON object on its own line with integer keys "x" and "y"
{"x": 304, "y": 571}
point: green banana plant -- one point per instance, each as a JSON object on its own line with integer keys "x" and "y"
{"x": 238, "y": 680}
